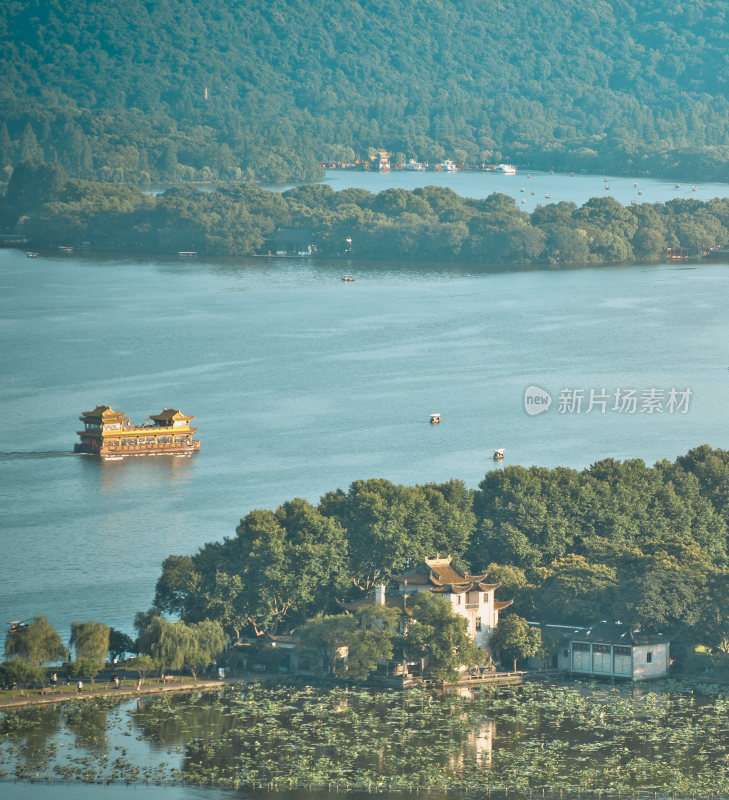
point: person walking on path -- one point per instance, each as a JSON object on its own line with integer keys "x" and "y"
{"x": 80, "y": 686}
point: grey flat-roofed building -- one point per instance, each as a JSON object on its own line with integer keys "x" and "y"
{"x": 611, "y": 649}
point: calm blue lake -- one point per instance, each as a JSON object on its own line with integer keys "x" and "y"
{"x": 301, "y": 383}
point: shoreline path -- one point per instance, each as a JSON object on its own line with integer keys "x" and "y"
{"x": 44, "y": 697}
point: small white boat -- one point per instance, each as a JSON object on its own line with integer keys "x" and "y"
{"x": 348, "y": 278}
{"x": 30, "y": 254}
{"x": 506, "y": 169}
{"x": 499, "y": 454}
{"x": 434, "y": 419}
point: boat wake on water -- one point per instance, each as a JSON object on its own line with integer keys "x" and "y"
{"x": 10, "y": 456}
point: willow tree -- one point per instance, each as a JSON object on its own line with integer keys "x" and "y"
{"x": 38, "y": 643}
{"x": 90, "y": 640}
{"x": 176, "y": 645}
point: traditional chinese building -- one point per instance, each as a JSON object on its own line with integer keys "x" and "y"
{"x": 109, "y": 433}
{"x": 469, "y": 595}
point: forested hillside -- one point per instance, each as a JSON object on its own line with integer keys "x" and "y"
{"x": 128, "y": 90}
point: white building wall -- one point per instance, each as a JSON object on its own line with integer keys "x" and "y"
{"x": 650, "y": 661}
{"x": 479, "y": 614}
{"x": 473, "y": 612}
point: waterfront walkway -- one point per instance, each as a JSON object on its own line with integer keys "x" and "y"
{"x": 19, "y": 698}
{"x": 151, "y": 686}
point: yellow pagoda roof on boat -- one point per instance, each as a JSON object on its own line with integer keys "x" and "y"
{"x": 171, "y": 415}
{"x": 102, "y": 412}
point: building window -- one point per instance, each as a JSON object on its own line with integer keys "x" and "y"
{"x": 581, "y": 657}
{"x": 601, "y": 660}
{"x": 622, "y": 660}
{"x": 458, "y": 599}
{"x": 649, "y": 657}
{"x": 478, "y": 623}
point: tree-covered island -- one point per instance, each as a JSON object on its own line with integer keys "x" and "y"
{"x": 618, "y": 541}
{"x": 49, "y": 209}
{"x": 648, "y": 546}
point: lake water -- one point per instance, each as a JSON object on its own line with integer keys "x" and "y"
{"x": 301, "y": 383}
{"x": 304, "y": 741}
{"x": 532, "y": 188}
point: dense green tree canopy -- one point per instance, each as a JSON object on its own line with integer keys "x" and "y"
{"x": 620, "y": 540}
{"x": 17, "y": 671}
{"x": 367, "y": 638}
{"x": 283, "y": 567}
{"x": 120, "y": 643}
{"x": 280, "y": 566}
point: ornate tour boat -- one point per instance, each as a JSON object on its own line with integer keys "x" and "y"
{"x": 110, "y": 434}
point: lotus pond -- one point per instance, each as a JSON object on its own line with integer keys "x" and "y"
{"x": 576, "y": 739}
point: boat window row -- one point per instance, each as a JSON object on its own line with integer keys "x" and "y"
{"x": 142, "y": 440}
